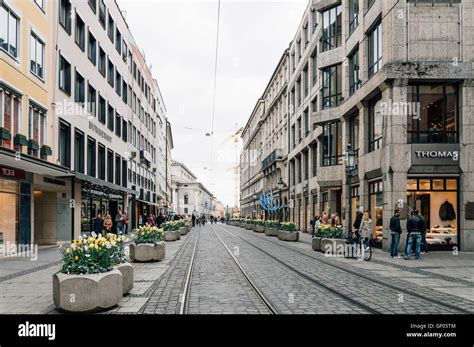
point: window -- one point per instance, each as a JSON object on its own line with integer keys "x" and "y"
{"x": 36, "y": 56}
{"x": 118, "y": 165}
{"x": 92, "y": 49}
{"x": 124, "y": 51}
{"x": 65, "y": 15}
{"x": 354, "y": 132}
{"x": 118, "y": 83}
{"x": 64, "y": 75}
{"x": 314, "y": 104}
{"x": 370, "y": 3}
{"x": 314, "y": 20}
{"x": 332, "y": 86}
{"x": 64, "y": 150}
{"x": 124, "y": 92}
{"x": 102, "y": 61}
{"x": 79, "y": 151}
{"x": 91, "y": 157}
{"x": 110, "y": 74}
{"x": 186, "y": 199}
{"x": 8, "y": 31}
{"x": 118, "y": 125}
{"x": 314, "y": 159}
{"x": 305, "y": 81}
{"x": 102, "y": 10}
{"x": 298, "y": 48}
{"x": 10, "y": 114}
{"x": 354, "y": 77}
{"x": 375, "y": 124}
{"x": 298, "y": 169}
{"x": 93, "y": 5}
{"x": 298, "y": 92}
{"x": 332, "y": 144}
{"x": 111, "y": 28}
{"x": 306, "y": 122}
{"x": 91, "y": 100}
{"x": 102, "y": 109}
{"x": 305, "y": 164}
{"x": 111, "y": 117}
{"x": 36, "y": 127}
{"x": 118, "y": 41}
{"x": 314, "y": 68}
{"x": 436, "y": 118}
{"x": 80, "y": 35}
{"x": 375, "y": 49}
{"x": 124, "y": 130}
{"x": 80, "y": 89}
{"x": 101, "y": 161}
{"x": 124, "y": 173}
{"x": 306, "y": 35}
{"x": 332, "y": 28}
{"x": 300, "y": 137}
{"x": 110, "y": 166}
{"x": 353, "y": 15}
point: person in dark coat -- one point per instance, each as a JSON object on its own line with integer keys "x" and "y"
{"x": 415, "y": 225}
{"x": 395, "y": 231}
{"x": 98, "y": 223}
{"x": 357, "y": 222}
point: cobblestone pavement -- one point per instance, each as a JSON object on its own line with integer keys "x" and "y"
{"x": 403, "y": 276}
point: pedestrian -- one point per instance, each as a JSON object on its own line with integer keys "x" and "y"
{"x": 325, "y": 218}
{"x": 366, "y": 227}
{"x": 415, "y": 225}
{"x": 124, "y": 222}
{"x": 98, "y": 223}
{"x": 395, "y": 231}
{"x": 108, "y": 223}
{"x": 356, "y": 225}
{"x": 140, "y": 220}
{"x": 118, "y": 222}
{"x": 193, "y": 218}
{"x": 150, "y": 220}
{"x": 424, "y": 244}
{"x": 312, "y": 222}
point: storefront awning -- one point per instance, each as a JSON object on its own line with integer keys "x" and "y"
{"x": 434, "y": 170}
{"x": 33, "y": 165}
{"x": 101, "y": 183}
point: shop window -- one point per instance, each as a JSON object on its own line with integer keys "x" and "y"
{"x": 412, "y": 184}
{"x": 78, "y": 151}
{"x": 332, "y": 28}
{"x": 438, "y": 118}
{"x": 331, "y": 91}
{"x": 451, "y": 184}
{"x": 325, "y": 202}
{"x": 91, "y": 162}
{"x": 332, "y": 144}
{"x": 9, "y": 211}
{"x": 424, "y": 184}
{"x": 376, "y": 206}
{"x": 10, "y": 115}
{"x": 36, "y": 127}
{"x": 438, "y": 184}
{"x": 355, "y": 202}
{"x": 375, "y": 124}
{"x": 64, "y": 150}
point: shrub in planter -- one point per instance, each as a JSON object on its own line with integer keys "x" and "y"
{"x": 331, "y": 238}
{"x": 287, "y": 232}
{"x": 259, "y": 226}
{"x": 89, "y": 274}
{"x": 271, "y": 227}
{"x": 172, "y": 230}
{"x": 148, "y": 245}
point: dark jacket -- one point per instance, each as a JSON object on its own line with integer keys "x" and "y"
{"x": 416, "y": 224}
{"x": 446, "y": 211}
{"x": 395, "y": 225}
{"x": 98, "y": 225}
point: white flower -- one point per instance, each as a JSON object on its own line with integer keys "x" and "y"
{"x": 86, "y": 248}
{"x": 88, "y": 255}
{"x": 107, "y": 245}
{"x": 80, "y": 237}
{"x": 94, "y": 235}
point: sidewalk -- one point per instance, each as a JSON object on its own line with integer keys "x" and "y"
{"x": 440, "y": 271}
{"x": 26, "y": 286}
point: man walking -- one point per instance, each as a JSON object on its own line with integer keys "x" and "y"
{"x": 414, "y": 227}
{"x": 395, "y": 231}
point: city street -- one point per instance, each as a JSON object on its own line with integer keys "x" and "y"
{"x": 237, "y": 271}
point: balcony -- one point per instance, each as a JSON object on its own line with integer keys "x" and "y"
{"x": 145, "y": 157}
{"x": 271, "y": 158}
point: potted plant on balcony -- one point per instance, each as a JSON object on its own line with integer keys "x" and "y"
{"x": 89, "y": 279}
{"x": 20, "y": 140}
{"x": 287, "y": 232}
{"x": 148, "y": 245}
{"x": 172, "y": 230}
{"x": 271, "y": 227}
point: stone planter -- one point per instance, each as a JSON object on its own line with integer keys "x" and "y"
{"x": 316, "y": 243}
{"x": 147, "y": 252}
{"x": 259, "y": 228}
{"x": 271, "y": 231}
{"x": 126, "y": 269}
{"x": 248, "y": 226}
{"x": 183, "y": 231}
{"x": 189, "y": 227}
{"x": 333, "y": 246}
{"x": 87, "y": 293}
{"x": 172, "y": 235}
{"x": 288, "y": 236}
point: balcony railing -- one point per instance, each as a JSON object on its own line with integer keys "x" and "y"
{"x": 272, "y": 157}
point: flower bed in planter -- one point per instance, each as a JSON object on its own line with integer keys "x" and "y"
{"x": 328, "y": 239}
{"x": 271, "y": 227}
{"x": 148, "y": 245}
{"x": 287, "y": 232}
{"x": 172, "y": 230}
{"x": 259, "y": 226}
{"x": 94, "y": 275}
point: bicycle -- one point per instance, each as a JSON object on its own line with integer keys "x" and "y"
{"x": 363, "y": 249}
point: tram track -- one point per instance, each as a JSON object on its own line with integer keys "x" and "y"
{"x": 351, "y": 272}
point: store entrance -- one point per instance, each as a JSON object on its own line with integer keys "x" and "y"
{"x": 437, "y": 201}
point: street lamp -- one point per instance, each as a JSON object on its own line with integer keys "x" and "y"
{"x": 254, "y": 196}
{"x": 350, "y": 167}
{"x": 280, "y": 188}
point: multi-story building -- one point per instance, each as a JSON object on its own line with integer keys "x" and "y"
{"x": 189, "y": 196}
{"x": 263, "y": 164}
{"x": 169, "y": 146}
{"x": 34, "y": 202}
{"x": 394, "y": 81}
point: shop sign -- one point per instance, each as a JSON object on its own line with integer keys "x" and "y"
{"x": 54, "y": 181}
{"x": 100, "y": 132}
{"x": 12, "y": 173}
{"x": 435, "y": 154}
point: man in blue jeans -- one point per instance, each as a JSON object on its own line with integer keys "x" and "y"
{"x": 395, "y": 231}
{"x": 415, "y": 226}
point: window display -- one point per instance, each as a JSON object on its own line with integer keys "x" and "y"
{"x": 376, "y": 210}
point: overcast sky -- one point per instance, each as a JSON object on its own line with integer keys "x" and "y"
{"x": 179, "y": 40}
